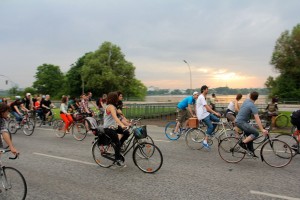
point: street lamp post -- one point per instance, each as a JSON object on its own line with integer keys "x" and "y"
{"x": 190, "y": 73}
{"x": 8, "y": 79}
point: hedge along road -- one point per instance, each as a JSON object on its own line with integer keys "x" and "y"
{"x": 57, "y": 168}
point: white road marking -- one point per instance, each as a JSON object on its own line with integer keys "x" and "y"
{"x": 62, "y": 158}
{"x": 162, "y": 141}
{"x": 273, "y": 195}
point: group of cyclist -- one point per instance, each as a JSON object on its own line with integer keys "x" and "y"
{"x": 239, "y": 115}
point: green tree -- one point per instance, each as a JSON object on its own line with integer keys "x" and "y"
{"x": 286, "y": 61}
{"x": 30, "y": 90}
{"x": 49, "y": 80}
{"x": 107, "y": 70}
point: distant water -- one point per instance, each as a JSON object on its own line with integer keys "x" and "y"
{"x": 262, "y": 99}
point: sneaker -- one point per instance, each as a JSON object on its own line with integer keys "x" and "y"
{"x": 17, "y": 126}
{"x": 120, "y": 163}
{"x": 294, "y": 146}
{"x": 243, "y": 145}
{"x": 205, "y": 145}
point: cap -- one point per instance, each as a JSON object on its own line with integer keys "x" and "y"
{"x": 28, "y": 94}
{"x": 194, "y": 93}
{"x": 17, "y": 97}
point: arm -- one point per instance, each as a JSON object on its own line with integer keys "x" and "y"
{"x": 236, "y": 106}
{"x": 258, "y": 122}
{"x": 17, "y": 110}
{"x": 208, "y": 108}
{"x": 114, "y": 115}
{"x": 6, "y": 138}
{"x": 189, "y": 108}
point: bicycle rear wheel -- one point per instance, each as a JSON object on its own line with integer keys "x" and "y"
{"x": 12, "y": 126}
{"x": 103, "y": 154}
{"x": 151, "y": 159}
{"x": 289, "y": 140}
{"x": 78, "y": 131}
{"x": 13, "y": 184}
{"x": 194, "y": 138}
{"x": 28, "y": 128}
{"x": 169, "y": 131}
{"x": 276, "y": 153}
{"x": 58, "y": 128}
{"x": 281, "y": 121}
{"x": 230, "y": 151}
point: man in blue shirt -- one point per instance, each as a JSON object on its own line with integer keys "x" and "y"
{"x": 247, "y": 109}
{"x": 185, "y": 111}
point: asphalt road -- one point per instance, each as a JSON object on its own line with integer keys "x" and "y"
{"x": 62, "y": 168}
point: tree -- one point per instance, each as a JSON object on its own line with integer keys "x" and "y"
{"x": 49, "y": 80}
{"x": 286, "y": 61}
{"x": 107, "y": 70}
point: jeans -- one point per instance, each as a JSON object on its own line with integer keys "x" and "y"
{"x": 17, "y": 116}
{"x": 208, "y": 121}
{"x": 248, "y": 129}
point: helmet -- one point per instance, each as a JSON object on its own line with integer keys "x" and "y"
{"x": 17, "y": 97}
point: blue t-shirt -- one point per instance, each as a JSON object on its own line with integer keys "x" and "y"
{"x": 185, "y": 102}
{"x": 245, "y": 112}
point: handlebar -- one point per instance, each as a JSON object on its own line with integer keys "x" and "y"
{"x": 8, "y": 150}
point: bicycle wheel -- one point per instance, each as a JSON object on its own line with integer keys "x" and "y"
{"x": 13, "y": 184}
{"x": 28, "y": 128}
{"x": 58, "y": 128}
{"x": 12, "y": 126}
{"x": 291, "y": 141}
{"x": 281, "y": 121}
{"x": 276, "y": 153}
{"x": 79, "y": 131}
{"x": 103, "y": 155}
{"x": 230, "y": 151}
{"x": 169, "y": 131}
{"x": 147, "y": 139}
{"x": 194, "y": 138}
{"x": 151, "y": 159}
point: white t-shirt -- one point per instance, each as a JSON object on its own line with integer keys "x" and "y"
{"x": 201, "y": 110}
{"x": 231, "y": 106}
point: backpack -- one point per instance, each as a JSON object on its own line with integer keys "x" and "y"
{"x": 296, "y": 114}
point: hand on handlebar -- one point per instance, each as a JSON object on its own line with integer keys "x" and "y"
{"x": 265, "y": 132}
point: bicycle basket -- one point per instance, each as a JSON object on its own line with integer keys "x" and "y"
{"x": 140, "y": 132}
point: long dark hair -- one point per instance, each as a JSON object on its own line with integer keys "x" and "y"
{"x": 3, "y": 108}
{"x": 112, "y": 98}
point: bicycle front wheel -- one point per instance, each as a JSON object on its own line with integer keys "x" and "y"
{"x": 151, "y": 159}
{"x": 28, "y": 128}
{"x": 79, "y": 131}
{"x": 169, "y": 131}
{"x": 230, "y": 151}
{"x": 291, "y": 141}
{"x": 147, "y": 139}
{"x": 12, "y": 126}
{"x": 281, "y": 121}
{"x": 103, "y": 154}
{"x": 194, "y": 138}
{"x": 276, "y": 153}
{"x": 13, "y": 184}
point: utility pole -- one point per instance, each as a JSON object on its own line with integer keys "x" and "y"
{"x": 190, "y": 73}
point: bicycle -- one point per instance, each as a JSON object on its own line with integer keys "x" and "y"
{"x": 26, "y": 125}
{"x": 273, "y": 152}
{"x": 292, "y": 140}
{"x": 146, "y": 156}
{"x": 13, "y": 184}
{"x": 50, "y": 120}
{"x": 195, "y": 136}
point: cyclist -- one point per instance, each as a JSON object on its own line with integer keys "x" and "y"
{"x": 4, "y": 111}
{"x": 27, "y": 101}
{"x": 247, "y": 109}
{"x": 16, "y": 108}
{"x": 120, "y": 107}
{"x": 84, "y": 105}
{"x": 213, "y": 101}
{"x": 272, "y": 110}
{"x": 232, "y": 110}
{"x": 66, "y": 117}
{"x": 89, "y": 98}
{"x": 295, "y": 120}
{"x": 46, "y": 106}
{"x": 113, "y": 125}
{"x": 101, "y": 103}
{"x": 206, "y": 114}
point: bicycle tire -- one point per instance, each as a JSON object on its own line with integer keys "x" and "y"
{"x": 281, "y": 121}
{"x": 169, "y": 131}
{"x": 194, "y": 138}
{"x": 79, "y": 131}
{"x": 12, "y": 129}
{"x": 230, "y": 151}
{"x": 103, "y": 155}
{"x": 276, "y": 153}
{"x": 28, "y": 128}
{"x": 58, "y": 128}
{"x": 290, "y": 140}
{"x": 13, "y": 184}
{"x": 152, "y": 158}
{"x": 147, "y": 139}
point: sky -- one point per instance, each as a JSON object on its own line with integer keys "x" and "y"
{"x": 225, "y": 43}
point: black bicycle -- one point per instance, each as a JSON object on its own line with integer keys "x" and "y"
{"x": 13, "y": 184}
{"x": 291, "y": 140}
{"x": 146, "y": 156}
{"x": 273, "y": 152}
